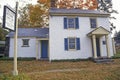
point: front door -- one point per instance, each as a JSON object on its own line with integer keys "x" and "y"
{"x": 44, "y": 49}
{"x": 98, "y": 47}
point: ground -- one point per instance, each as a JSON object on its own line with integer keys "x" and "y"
{"x": 64, "y": 70}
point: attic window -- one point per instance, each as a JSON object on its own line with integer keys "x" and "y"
{"x": 25, "y": 42}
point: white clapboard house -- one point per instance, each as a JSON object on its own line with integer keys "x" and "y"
{"x": 72, "y": 34}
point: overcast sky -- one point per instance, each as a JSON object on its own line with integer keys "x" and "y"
{"x": 116, "y": 6}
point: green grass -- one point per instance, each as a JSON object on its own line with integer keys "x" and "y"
{"x": 11, "y": 77}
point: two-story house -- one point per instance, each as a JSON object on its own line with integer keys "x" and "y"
{"x": 79, "y": 34}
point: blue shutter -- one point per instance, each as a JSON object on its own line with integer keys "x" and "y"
{"x": 78, "y": 43}
{"x": 77, "y": 23}
{"x": 66, "y": 43}
{"x": 65, "y": 23}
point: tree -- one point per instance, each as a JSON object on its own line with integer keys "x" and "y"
{"x": 31, "y": 16}
{"x": 24, "y": 17}
{"x": 106, "y": 6}
{"x": 3, "y": 33}
{"x": 35, "y": 15}
{"x": 79, "y": 4}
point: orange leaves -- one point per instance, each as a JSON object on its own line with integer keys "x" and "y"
{"x": 35, "y": 13}
{"x": 93, "y": 4}
{"x": 80, "y": 4}
{"x": 43, "y": 1}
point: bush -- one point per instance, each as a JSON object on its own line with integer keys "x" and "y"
{"x": 117, "y": 55}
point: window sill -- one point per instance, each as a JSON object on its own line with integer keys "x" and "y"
{"x": 25, "y": 46}
{"x": 72, "y": 50}
{"x": 71, "y": 29}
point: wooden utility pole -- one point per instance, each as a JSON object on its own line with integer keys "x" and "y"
{"x": 15, "y": 71}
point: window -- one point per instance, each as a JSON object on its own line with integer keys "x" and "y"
{"x": 71, "y": 23}
{"x": 72, "y": 43}
{"x": 104, "y": 42}
{"x": 25, "y": 42}
{"x": 93, "y": 22}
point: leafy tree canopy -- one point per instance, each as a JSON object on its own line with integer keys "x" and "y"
{"x": 31, "y": 16}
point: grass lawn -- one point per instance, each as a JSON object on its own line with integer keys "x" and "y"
{"x": 66, "y": 70}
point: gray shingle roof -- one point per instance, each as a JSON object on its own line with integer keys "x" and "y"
{"x": 75, "y": 11}
{"x": 31, "y": 32}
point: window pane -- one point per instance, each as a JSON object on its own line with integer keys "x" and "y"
{"x": 71, "y": 23}
{"x": 71, "y": 43}
{"x": 72, "y": 40}
{"x": 72, "y": 46}
{"x": 93, "y": 23}
{"x": 25, "y": 42}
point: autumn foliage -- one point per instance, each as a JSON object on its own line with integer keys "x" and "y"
{"x": 68, "y": 4}
{"x": 34, "y": 15}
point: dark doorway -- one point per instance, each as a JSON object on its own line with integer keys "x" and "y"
{"x": 98, "y": 46}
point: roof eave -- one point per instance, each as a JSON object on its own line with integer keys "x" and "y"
{"x": 80, "y": 14}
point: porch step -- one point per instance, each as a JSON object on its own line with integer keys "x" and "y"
{"x": 103, "y": 60}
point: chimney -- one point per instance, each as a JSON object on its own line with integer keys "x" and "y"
{"x": 53, "y": 3}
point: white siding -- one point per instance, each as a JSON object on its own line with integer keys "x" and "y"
{"x": 23, "y": 51}
{"x": 58, "y": 33}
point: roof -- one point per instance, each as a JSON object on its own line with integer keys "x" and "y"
{"x": 56, "y": 11}
{"x": 99, "y": 31}
{"x": 31, "y": 32}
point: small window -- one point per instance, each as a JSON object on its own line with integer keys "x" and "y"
{"x": 104, "y": 42}
{"x": 25, "y": 42}
{"x": 93, "y": 23}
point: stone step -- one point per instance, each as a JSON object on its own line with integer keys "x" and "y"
{"x": 103, "y": 60}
